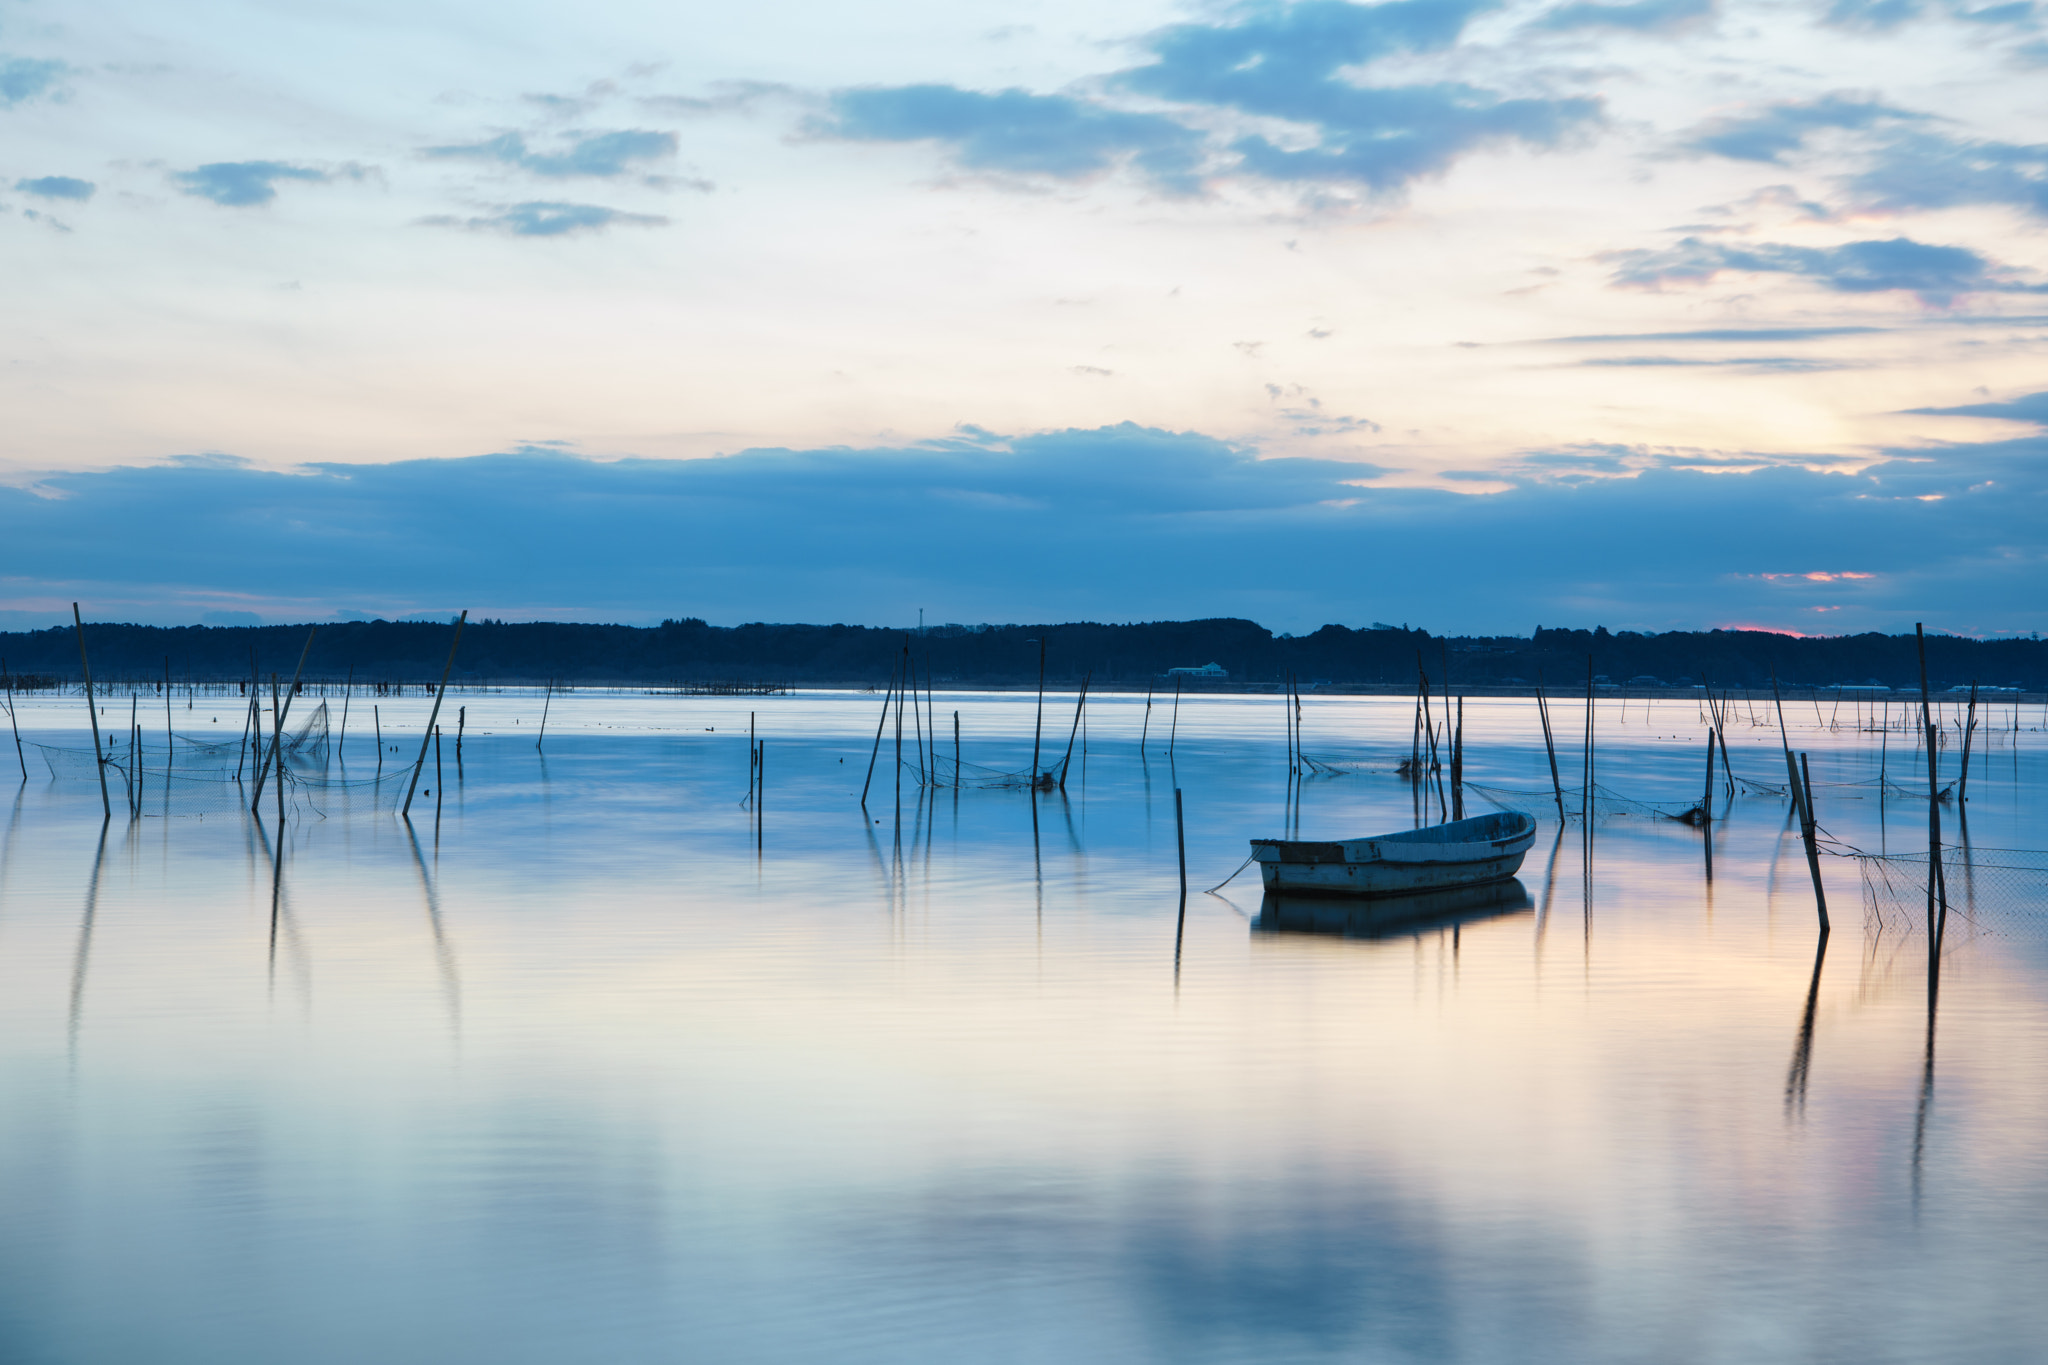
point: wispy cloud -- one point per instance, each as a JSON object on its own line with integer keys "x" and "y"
{"x": 1920, "y": 170}
{"x": 2031, "y": 407}
{"x": 1772, "y": 133}
{"x": 24, "y": 78}
{"x": 1295, "y": 63}
{"x": 57, "y": 187}
{"x": 581, "y": 154}
{"x": 547, "y": 218}
{"x": 1936, "y": 274}
{"x": 1292, "y": 63}
{"x": 243, "y": 184}
{"x": 1641, "y": 16}
{"x": 1017, "y": 132}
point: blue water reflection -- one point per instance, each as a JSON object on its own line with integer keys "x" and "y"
{"x": 609, "y": 1064}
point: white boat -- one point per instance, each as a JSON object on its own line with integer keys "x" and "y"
{"x": 1485, "y": 848}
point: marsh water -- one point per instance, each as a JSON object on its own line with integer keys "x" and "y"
{"x": 601, "y": 1063}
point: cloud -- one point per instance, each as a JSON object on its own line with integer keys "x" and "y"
{"x": 1017, "y": 132}
{"x": 57, "y": 187}
{"x": 1642, "y": 16}
{"x": 1875, "y": 16}
{"x": 1710, "y": 334}
{"x": 1926, "y": 171}
{"x": 24, "y": 78}
{"x": 1936, "y": 274}
{"x": 1772, "y": 133}
{"x": 1121, "y": 521}
{"x": 1295, "y": 64}
{"x": 1764, "y": 364}
{"x": 582, "y": 154}
{"x": 2032, "y": 407}
{"x": 547, "y": 218}
{"x": 241, "y": 184}
{"x": 1288, "y": 63}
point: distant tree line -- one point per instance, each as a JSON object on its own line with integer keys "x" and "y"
{"x": 684, "y": 651}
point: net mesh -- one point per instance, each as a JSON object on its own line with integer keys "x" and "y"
{"x": 194, "y": 775}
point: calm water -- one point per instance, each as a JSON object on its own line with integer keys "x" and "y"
{"x": 586, "y": 1076}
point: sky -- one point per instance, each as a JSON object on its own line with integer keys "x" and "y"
{"x": 1655, "y": 314}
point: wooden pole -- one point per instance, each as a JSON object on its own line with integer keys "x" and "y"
{"x": 1820, "y": 895}
{"x": 1549, "y": 746}
{"x": 1038, "y": 726}
{"x": 958, "y": 778}
{"x": 876, "y": 752}
{"x": 377, "y": 721}
{"x": 99, "y": 760}
{"x": 435, "y": 714}
{"x": 437, "y": 781}
{"x": 1173, "y": 731}
{"x": 347, "y": 690}
{"x": 917, "y": 726}
{"x": 1180, "y": 840}
{"x": 461, "y": 720}
{"x": 277, "y": 754}
{"x": 901, "y": 688}
{"x": 547, "y": 701}
{"x": 1146, "y": 729}
{"x": 1969, "y": 734}
{"x": 1458, "y": 765}
{"x": 11, "y": 721}
{"x": 1707, "y": 795}
{"x": 760, "y": 791}
{"x": 1074, "y": 729}
{"x": 1586, "y": 797}
{"x": 167, "y": 723}
{"x": 277, "y": 730}
{"x": 1933, "y": 808}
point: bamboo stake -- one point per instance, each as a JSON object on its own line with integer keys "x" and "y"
{"x": 1707, "y": 795}
{"x": 347, "y": 690}
{"x": 1934, "y": 876}
{"x": 876, "y": 752}
{"x": 546, "y": 702}
{"x": 1549, "y": 746}
{"x": 1820, "y": 895}
{"x": 435, "y": 714}
{"x": 1038, "y": 726}
{"x": 461, "y": 720}
{"x": 11, "y": 721}
{"x": 92, "y": 713}
{"x": 437, "y": 783}
{"x": 377, "y": 720}
{"x": 1079, "y": 702}
{"x": 1458, "y": 765}
{"x": 277, "y": 731}
{"x": 167, "y": 722}
{"x": 277, "y": 752}
{"x": 1173, "y": 731}
{"x": 1146, "y": 729}
{"x": 1969, "y": 733}
{"x": 958, "y": 778}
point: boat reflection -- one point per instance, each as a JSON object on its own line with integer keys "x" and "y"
{"x": 1392, "y": 916}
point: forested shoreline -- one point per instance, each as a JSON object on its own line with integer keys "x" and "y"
{"x": 688, "y": 651}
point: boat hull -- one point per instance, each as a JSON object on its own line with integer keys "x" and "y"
{"x": 1470, "y": 852}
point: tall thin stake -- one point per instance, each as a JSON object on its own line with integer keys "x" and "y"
{"x": 347, "y": 690}
{"x": 92, "y": 713}
{"x": 1079, "y": 702}
{"x": 1038, "y": 726}
{"x": 1549, "y": 746}
{"x": 546, "y": 702}
{"x": 277, "y": 730}
{"x": 1146, "y": 729}
{"x": 435, "y": 714}
{"x": 876, "y": 752}
{"x": 16, "y": 725}
{"x": 167, "y": 722}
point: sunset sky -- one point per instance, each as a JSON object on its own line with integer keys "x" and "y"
{"x": 1655, "y": 314}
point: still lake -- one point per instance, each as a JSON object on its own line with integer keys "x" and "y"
{"x": 591, "y": 1069}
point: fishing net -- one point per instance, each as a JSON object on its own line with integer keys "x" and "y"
{"x": 1607, "y": 803}
{"x": 155, "y": 775}
{"x": 1986, "y": 890}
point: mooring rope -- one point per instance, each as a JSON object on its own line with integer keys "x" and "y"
{"x": 1233, "y": 876}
